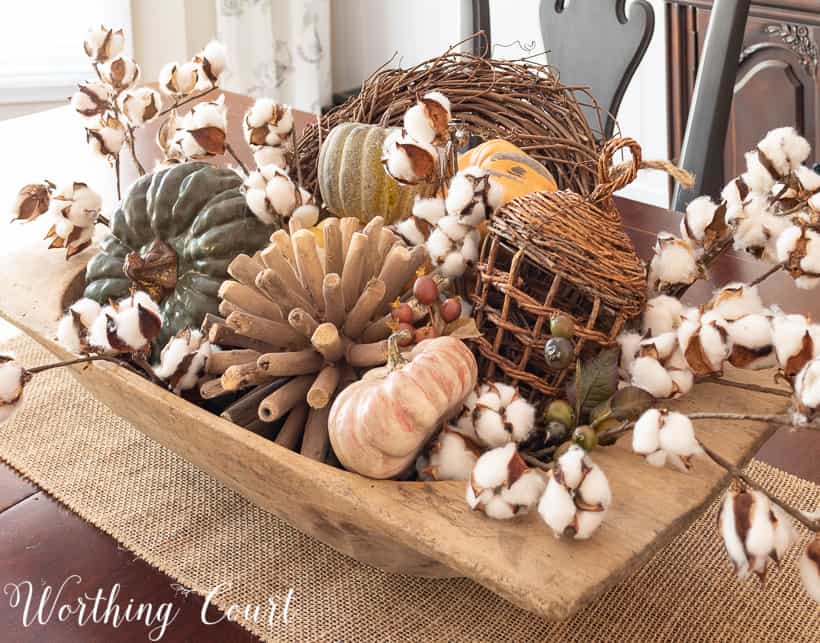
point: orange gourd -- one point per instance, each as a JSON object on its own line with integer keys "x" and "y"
{"x": 378, "y": 425}
{"x": 512, "y": 168}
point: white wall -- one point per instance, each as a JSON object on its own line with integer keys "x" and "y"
{"x": 366, "y": 33}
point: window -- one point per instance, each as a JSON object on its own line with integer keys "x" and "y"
{"x": 41, "y": 52}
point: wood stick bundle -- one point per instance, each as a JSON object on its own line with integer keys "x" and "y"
{"x": 299, "y": 319}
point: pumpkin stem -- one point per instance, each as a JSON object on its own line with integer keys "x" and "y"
{"x": 395, "y": 360}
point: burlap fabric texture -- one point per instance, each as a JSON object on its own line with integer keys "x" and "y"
{"x": 190, "y": 526}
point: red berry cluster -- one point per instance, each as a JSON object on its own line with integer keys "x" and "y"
{"x": 426, "y": 292}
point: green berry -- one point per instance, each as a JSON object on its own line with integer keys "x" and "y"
{"x": 562, "y": 326}
{"x": 558, "y": 353}
{"x": 560, "y": 411}
{"x": 585, "y": 437}
{"x": 556, "y": 433}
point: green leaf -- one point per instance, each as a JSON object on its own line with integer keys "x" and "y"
{"x": 596, "y": 380}
{"x": 630, "y": 402}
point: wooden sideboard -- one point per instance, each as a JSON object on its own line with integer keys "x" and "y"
{"x": 778, "y": 78}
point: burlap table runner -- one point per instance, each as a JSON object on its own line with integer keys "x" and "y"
{"x": 190, "y": 526}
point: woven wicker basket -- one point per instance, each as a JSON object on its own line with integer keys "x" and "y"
{"x": 557, "y": 252}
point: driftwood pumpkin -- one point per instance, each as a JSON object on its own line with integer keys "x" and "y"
{"x": 352, "y": 180}
{"x": 510, "y": 167}
{"x": 174, "y": 236}
{"x": 378, "y": 425}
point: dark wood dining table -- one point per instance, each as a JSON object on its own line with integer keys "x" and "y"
{"x": 42, "y": 540}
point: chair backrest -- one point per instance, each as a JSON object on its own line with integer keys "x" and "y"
{"x": 705, "y": 136}
{"x": 596, "y": 44}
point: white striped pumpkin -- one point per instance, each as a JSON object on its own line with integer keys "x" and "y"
{"x": 379, "y": 424}
{"x": 352, "y": 180}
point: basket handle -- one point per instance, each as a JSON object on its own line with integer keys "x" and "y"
{"x": 613, "y": 178}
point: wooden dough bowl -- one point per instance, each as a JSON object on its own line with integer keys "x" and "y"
{"x": 416, "y": 528}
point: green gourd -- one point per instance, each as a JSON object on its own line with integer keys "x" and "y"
{"x": 352, "y": 180}
{"x": 174, "y": 236}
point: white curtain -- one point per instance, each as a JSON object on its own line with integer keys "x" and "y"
{"x": 279, "y": 49}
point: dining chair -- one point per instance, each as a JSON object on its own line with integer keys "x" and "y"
{"x": 599, "y": 44}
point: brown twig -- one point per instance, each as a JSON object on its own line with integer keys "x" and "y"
{"x": 758, "y": 280}
{"x": 139, "y": 360}
{"x": 185, "y": 101}
{"x": 101, "y": 218}
{"x": 132, "y": 147}
{"x": 82, "y": 360}
{"x": 239, "y": 162}
{"x": 117, "y": 174}
{"x": 769, "y": 390}
{"x": 799, "y": 516}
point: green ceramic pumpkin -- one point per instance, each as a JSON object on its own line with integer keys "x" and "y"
{"x": 174, "y": 236}
{"x": 352, "y": 180}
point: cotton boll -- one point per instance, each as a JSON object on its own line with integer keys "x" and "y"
{"x": 787, "y": 242}
{"x": 491, "y": 469}
{"x": 11, "y": 380}
{"x": 431, "y": 210}
{"x": 594, "y": 489}
{"x": 753, "y": 530}
{"x": 785, "y": 149}
{"x": 557, "y": 507}
{"x": 454, "y": 265}
{"x": 129, "y": 328}
{"x": 469, "y": 247}
{"x": 577, "y": 496}
{"x": 810, "y": 569}
{"x": 281, "y": 193}
{"x": 807, "y": 387}
{"x": 649, "y": 374}
{"x": 525, "y": 491}
{"x": 630, "y": 343}
{"x": 793, "y": 342}
{"x": 213, "y": 58}
{"x": 662, "y": 314}
{"x": 418, "y": 125}
{"x": 460, "y": 194}
{"x": 102, "y": 43}
{"x": 106, "y": 136}
{"x": 674, "y": 263}
{"x": 646, "y": 433}
{"x": 677, "y": 436}
{"x": 438, "y": 245}
{"x": 452, "y": 457}
{"x": 506, "y": 393}
{"x": 410, "y": 232}
{"x": 735, "y": 193}
{"x": 178, "y": 79}
{"x": 704, "y": 343}
{"x": 521, "y": 415}
{"x": 183, "y": 360}
{"x": 572, "y": 464}
{"x": 307, "y": 215}
{"x": 752, "y": 344}
{"x": 501, "y": 484}
{"x": 736, "y": 300}
{"x": 808, "y": 178}
{"x": 408, "y": 160}
{"x": 120, "y": 72}
{"x": 258, "y": 204}
{"x": 703, "y": 221}
{"x": 450, "y": 226}
{"x": 661, "y": 346}
{"x": 683, "y": 379}
{"x": 489, "y": 427}
{"x": 267, "y": 155}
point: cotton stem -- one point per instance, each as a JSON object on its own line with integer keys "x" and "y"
{"x": 799, "y": 516}
{"x": 185, "y": 101}
{"x": 79, "y": 360}
{"x": 239, "y": 162}
{"x": 133, "y": 148}
{"x": 758, "y": 280}
{"x": 769, "y": 390}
